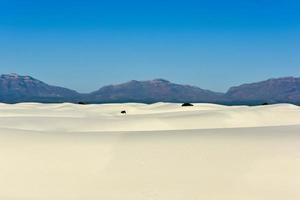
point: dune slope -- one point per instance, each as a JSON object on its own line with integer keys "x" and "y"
{"x": 159, "y": 151}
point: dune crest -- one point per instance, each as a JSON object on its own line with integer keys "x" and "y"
{"x": 142, "y": 117}
{"x": 153, "y": 152}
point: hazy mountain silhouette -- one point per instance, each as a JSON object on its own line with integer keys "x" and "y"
{"x": 15, "y": 88}
{"x": 153, "y": 91}
{"x": 285, "y": 89}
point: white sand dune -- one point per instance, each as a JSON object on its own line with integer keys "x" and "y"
{"x": 142, "y": 117}
{"x": 154, "y": 152}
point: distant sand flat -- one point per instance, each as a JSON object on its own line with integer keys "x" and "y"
{"x": 154, "y": 152}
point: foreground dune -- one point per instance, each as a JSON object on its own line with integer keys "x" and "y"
{"x": 154, "y": 152}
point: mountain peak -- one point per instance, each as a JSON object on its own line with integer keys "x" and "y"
{"x": 160, "y": 80}
{"x": 157, "y": 80}
{"x": 18, "y": 88}
{"x": 16, "y": 76}
{"x": 136, "y": 82}
{"x": 151, "y": 91}
{"x": 287, "y": 78}
{"x": 284, "y": 89}
{"x": 11, "y": 75}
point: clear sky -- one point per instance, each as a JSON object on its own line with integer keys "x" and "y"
{"x": 212, "y": 44}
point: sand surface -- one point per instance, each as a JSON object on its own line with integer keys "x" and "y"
{"x": 154, "y": 152}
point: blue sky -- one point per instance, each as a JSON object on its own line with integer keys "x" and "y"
{"x": 213, "y": 44}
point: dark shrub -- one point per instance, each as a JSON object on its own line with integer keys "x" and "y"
{"x": 123, "y": 112}
{"x": 187, "y": 104}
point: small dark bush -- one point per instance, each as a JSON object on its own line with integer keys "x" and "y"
{"x": 187, "y": 104}
{"x": 123, "y": 112}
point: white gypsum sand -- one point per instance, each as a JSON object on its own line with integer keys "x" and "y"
{"x": 154, "y": 152}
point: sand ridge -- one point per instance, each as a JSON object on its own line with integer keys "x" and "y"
{"x": 155, "y": 152}
{"x": 141, "y": 117}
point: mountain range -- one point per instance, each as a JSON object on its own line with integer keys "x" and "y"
{"x": 15, "y": 88}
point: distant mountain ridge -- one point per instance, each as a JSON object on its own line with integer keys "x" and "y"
{"x": 286, "y": 89}
{"x": 15, "y": 88}
{"x": 153, "y": 91}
